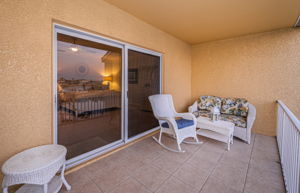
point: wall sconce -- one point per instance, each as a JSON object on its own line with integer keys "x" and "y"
{"x": 107, "y": 79}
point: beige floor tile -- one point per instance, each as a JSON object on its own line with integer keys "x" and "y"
{"x": 148, "y": 147}
{"x": 167, "y": 164}
{"x": 265, "y": 139}
{"x": 151, "y": 176}
{"x": 266, "y": 165}
{"x": 236, "y": 161}
{"x": 80, "y": 183}
{"x": 238, "y": 156}
{"x": 241, "y": 147}
{"x": 147, "y": 167}
{"x": 202, "y": 163}
{"x": 118, "y": 156}
{"x": 214, "y": 185}
{"x": 243, "y": 144}
{"x": 259, "y": 154}
{"x": 181, "y": 157}
{"x": 170, "y": 142}
{"x": 255, "y": 184}
{"x": 88, "y": 187}
{"x": 267, "y": 177}
{"x": 147, "y": 152}
{"x": 192, "y": 176}
{"x": 231, "y": 175}
{"x": 133, "y": 163}
{"x": 192, "y": 147}
{"x": 130, "y": 186}
{"x": 206, "y": 153}
{"x": 265, "y": 143}
{"x": 214, "y": 146}
{"x": 78, "y": 179}
{"x": 173, "y": 185}
{"x": 109, "y": 180}
{"x": 100, "y": 166}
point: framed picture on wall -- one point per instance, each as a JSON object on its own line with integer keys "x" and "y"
{"x": 133, "y": 76}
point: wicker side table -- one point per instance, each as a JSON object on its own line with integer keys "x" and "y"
{"x": 36, "y": 168}
{"x": 217, "y": 130}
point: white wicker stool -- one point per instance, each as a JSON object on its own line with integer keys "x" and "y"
{"x": 36, "y": 168}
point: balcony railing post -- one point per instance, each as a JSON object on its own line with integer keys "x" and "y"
{"x": 288, "y": 138}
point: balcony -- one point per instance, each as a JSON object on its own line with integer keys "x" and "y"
{"x": 147, "y": 167}
{"x": 79, "y": 74}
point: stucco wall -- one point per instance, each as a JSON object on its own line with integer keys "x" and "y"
{"x": 262, "y": 68}
{"x": 26, "y": 61}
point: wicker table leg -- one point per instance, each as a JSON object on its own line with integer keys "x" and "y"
{"x": 5, "y": 190}
{"x": 68, "y": 187}
{"x": 45, "y": 188}
{"x": 228, "y": 143}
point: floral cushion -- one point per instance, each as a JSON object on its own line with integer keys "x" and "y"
{"x": 202, "y": 113}
{"x": 235, "y": 106}
{"x": 237, "y": 120}
{"x": 208, "y": 102}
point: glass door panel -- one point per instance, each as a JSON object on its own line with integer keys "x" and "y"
{"x": 143, "y": 81}
{"x": 89, "y": 87}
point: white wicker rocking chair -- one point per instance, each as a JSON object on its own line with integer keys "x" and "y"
{"x": 169, "y": 122}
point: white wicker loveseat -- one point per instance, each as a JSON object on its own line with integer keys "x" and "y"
{"x": 236, "y": 110}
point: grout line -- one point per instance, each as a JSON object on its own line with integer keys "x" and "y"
{"x": 134, "y": 179}
{"x": 163, "y": 183}
{"x": 172, "y": 173}
{"x": 212, "y": 171}
{"x": 98, "y": 187}
{"x": 249, "y": 163}
{"x": 113, "y": 151}
{"x": 190, "y": 157}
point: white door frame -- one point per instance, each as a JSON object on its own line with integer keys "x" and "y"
{"x": 146, "y": 51}
{"x": 58, "y": 28}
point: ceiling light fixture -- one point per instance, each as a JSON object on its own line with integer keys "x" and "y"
{"x": 74, "y": 47}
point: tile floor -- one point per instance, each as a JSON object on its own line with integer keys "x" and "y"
{"x": 207, "y": 168}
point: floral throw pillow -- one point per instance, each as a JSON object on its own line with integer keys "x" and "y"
{"x": 209, "y": 102}
{"x": 235, "y": 106}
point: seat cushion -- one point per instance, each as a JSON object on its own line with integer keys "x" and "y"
{"x": 202, "y": 113}
{"x": 181, "y": 123}
{"x": 235, "y": 106}
{"x": 237, "y": 120}
{"x": 208, "y": 102}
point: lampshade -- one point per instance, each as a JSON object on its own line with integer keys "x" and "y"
{"x": 107, "y": 78}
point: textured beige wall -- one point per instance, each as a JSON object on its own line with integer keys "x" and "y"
{"x": 262, "y": 68}
{"x": 26, "y": 61}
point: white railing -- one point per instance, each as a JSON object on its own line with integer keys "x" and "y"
{"x": 288, "y": 139}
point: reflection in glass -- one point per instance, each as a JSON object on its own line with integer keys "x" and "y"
{"x": 89, "y": 94}
{"x": 143, "y": 81}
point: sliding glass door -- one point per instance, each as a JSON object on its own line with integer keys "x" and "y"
{"x": 89, "y": 87}
{"x": 101, "y": 90}
{"x": 143, "y": 81}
